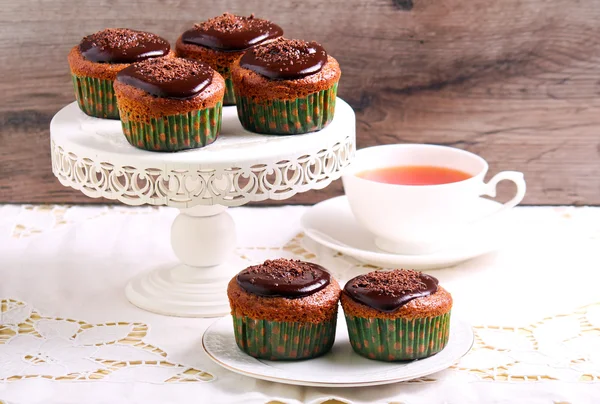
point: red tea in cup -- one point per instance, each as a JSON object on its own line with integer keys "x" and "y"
{"x": 395, "y": 193}
{"x": 414, "y": 175}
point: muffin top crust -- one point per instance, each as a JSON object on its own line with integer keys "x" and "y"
{"x": 122, "y": 45}
{"x": 395, "y": 294}
{"x": 168, "y": 77}
{"x": 229, "y": 32}
{"x": 389, "y": 290}
{"x": 285, "y": 59}
{"x": 284, "y": 290}
{"x": 284, "y": 278}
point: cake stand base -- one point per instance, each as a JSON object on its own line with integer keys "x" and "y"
{"x": 179, "y": 292}
{"x": 203, "y": 238}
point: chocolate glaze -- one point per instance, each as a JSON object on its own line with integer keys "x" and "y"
{"x": 168, "y": 77}
{"x": 284, "y": 278}
{"x": 230, "y": 32}
{"x": 285, "y": 59}
{"x": 122, "y": 45}
{"x": 389, "y": 290}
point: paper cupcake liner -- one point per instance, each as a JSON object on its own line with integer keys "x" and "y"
{"x": 96, "y": 97}
{"x": 174, "y": 132}
{"x": 398, "y": 339}
{"x": 278, "y": 340}
{"x": 288, "y": 117}
{"x": 229, "y": 97}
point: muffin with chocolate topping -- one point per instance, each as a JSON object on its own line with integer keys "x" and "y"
{"x": 396, "y": 315}
{"x": 286, "y": 87}
{"x": 170, "y": 104}
{"x": 221, "y": 40}
{"x": 284, "y": 309}
{"x": 96, "y": 61}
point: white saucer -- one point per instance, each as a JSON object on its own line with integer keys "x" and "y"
{"x": 341, "y": 367}
{"x": 332, "y": 224}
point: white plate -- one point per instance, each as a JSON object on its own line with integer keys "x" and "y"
{"x": 341, "y": 367}
{"x": 332, "y": 224}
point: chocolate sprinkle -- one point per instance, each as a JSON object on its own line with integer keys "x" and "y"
{"x": 389, "y": 290}
{"x": 285, "y": 59}
{"x": 229, "y": 22}
{"x": 168, "y": 77}
{"x": 229, "y": 32}
{"x": 285, "y": 278}
{"x": 122, "y": 45}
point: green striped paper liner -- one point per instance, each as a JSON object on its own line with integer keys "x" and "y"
{"x": 398, "y": 339}
{"x": 229, "y": 97}
{"x": 288, "y": 117}
{"x": 280, "y": 340}
{"x": 174, "y": 132}
{"x": 96, "y": 97}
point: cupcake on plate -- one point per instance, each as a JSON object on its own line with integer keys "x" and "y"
{"x": 284, "y": 309}
{"x": 286, "y": 87}
{"x": 98, "y": 58}
{"x": 396, "y": 315}
{"x": 222, "y": 40}
{"x": 170, "y": 104}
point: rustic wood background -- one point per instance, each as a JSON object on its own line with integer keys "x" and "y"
{"x": 516, "y": 81}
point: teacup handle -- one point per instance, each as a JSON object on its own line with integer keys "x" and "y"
{"x": 489, "y": 189}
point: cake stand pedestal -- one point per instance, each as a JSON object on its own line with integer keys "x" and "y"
{"x": 93, "y": 156}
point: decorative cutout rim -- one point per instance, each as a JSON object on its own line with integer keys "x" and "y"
{"x": 188, "y": 187}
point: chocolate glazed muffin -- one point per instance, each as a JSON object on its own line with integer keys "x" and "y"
{"x": 222, "y": 40}
{"x": 96, "y": 61}
{"x": 286, "y": 87}
{"x": 396, "y": 315}
{"x": 284, "y": 309}
{"x": 170, "y": 104}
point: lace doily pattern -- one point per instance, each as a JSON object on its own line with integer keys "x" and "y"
{"x": 37, "y": 219}
{"x": 184, "y": 188}
{"x": 37, "y": 346}
{"x": 562, "y": 347}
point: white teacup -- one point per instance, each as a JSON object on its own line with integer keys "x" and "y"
{"x": 420, "y": 219}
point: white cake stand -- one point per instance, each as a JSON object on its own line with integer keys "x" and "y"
{"x": 93, "y": 156}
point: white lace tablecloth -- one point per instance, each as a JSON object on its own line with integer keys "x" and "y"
{"x": 68, "y": 334}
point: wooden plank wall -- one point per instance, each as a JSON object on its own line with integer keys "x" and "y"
{"x": 516, "y": 81}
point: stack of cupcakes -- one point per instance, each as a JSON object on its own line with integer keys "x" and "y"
{"x": 280, "y": 86}
{"x": 171, "y": 101}
{"x": 222, "y": 40}
{"x": 164, "y": 103}
{"x": 287, "y": 310}
{"x": 99, "y": 57}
